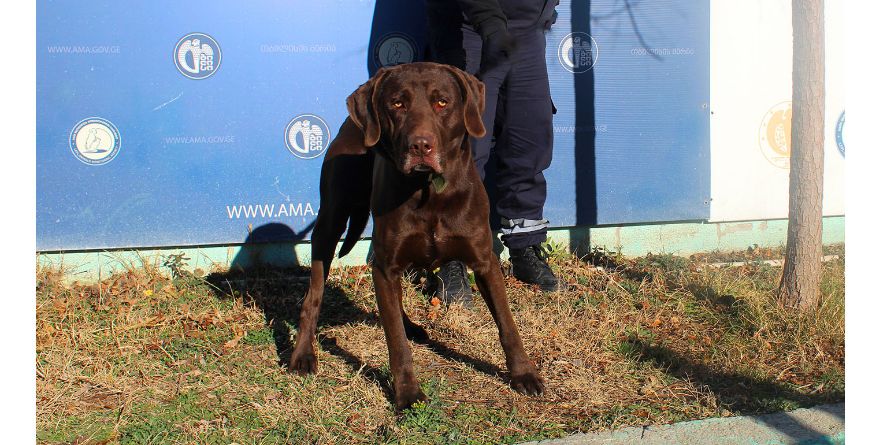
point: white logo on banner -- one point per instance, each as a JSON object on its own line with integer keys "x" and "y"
{"x": 197, "y": 56}
{"x": 578, "y": 52}
{"x": 307, "y": 136}
{"x": 394, "y": 49}
{"x": 95, "y": 141}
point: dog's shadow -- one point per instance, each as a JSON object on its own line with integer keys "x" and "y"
{"x": 279, "y": 293}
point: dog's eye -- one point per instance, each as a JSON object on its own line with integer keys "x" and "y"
{"x": 397, "y": 104}
{"x": 442, "y": 103}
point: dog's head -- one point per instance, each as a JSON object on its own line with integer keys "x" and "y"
{"x": 420, "y": 113}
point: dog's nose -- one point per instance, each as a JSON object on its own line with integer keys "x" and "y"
{"x": 421, "y": 145}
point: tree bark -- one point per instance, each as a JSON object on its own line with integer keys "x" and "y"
{"x": 800, "y": 281}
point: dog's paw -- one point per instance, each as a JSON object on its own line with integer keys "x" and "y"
{"x": 529, "y": 383}
{"x": 303, "y": 364}
{"x": 407, "y": 398}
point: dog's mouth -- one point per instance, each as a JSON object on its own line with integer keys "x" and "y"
{"x": 420, "y": 165}
{"x": 422, "y": 168}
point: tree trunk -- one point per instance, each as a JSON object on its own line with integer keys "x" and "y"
{"x": 802, "y": 268}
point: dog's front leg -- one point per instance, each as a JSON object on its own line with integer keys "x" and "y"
{"x": 388, "y": 293}
{"x": 524, "y": 375}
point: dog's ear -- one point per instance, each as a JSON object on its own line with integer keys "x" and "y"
{"x": 475, "y": 101}
{"x": 361, "y": 108}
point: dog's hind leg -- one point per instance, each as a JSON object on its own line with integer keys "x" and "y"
{"x": 414, "y": 331}
{"x": 331, "y": 221}
{"x": 304, "y": 358}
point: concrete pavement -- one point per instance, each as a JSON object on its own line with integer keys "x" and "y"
{"x": 821, "y": 425}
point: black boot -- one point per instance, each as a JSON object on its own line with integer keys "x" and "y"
{"x": 452, "y": 284}
{"x": 530, "y": 265}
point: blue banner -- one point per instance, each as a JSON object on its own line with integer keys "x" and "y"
{"x": 195, "y": 123}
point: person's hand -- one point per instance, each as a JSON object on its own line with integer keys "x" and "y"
{"x": 497, "y": 48}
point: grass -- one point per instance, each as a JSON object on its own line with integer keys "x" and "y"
{"x": 143, "y": 357}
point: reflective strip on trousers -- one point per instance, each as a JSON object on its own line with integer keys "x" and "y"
{"x": 521, "y": 225}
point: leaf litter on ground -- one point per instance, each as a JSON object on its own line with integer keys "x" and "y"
{"x": 146, "y": 356}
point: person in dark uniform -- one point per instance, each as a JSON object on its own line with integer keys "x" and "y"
{"x": 502, "y": 42}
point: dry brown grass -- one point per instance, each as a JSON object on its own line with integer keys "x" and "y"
{"x": 142, "y": 358}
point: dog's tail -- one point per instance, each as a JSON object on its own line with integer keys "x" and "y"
{"x": 356, "y": 223}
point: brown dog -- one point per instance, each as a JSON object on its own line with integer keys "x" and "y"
{"x": 405, "y": 154}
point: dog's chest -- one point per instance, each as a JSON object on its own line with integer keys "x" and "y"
{"x": 432, "y": 240}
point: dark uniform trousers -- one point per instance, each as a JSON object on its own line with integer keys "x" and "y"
{"x": 519, "y": 112}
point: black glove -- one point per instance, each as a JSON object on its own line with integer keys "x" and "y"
{"x": 497, "y": 47}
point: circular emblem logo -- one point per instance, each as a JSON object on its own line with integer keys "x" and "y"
{"x": 578, "y": 52}
{"x": 95, "y": 141}
{"x": 395, "y": 49}
{"x": 841, "y": 122}
{"x": 197, "y": 56}
{"x": 307, "y": 136}
{"x": 775, "y": 135}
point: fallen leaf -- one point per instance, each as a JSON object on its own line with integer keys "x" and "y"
{"x": 60, "y": 306}
{"x": 232, "y": 343}
{"x": 647, "y": 389}
{"x": 641, "y": 413}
